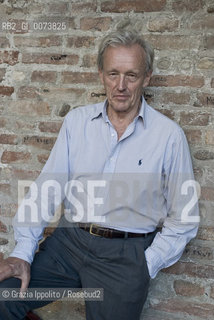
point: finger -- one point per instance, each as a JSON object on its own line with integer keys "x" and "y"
{"x": 25, "y": 283}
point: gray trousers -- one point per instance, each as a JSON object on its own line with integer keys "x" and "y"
{"x": 73, "y": 258}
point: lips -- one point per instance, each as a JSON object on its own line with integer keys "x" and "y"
{"x": 121, "y": 97}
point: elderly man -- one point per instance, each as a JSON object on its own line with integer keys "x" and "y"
{"x": 139, "y": 163}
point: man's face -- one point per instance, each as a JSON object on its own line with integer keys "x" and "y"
{"x": 123, "y": 77}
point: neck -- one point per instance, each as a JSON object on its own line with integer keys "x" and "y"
{"x": 121, "y": 120}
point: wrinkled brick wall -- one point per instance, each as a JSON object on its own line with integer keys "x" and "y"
{"x": 45, "y": 74}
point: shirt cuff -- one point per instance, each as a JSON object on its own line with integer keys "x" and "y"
{"x": 25, "y": 250}
{"x": 153, "y": 262}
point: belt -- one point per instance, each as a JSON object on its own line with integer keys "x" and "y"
{"x": 110, "y": 233}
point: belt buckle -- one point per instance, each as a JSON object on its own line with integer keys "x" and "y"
{"x": 90, "y": 230}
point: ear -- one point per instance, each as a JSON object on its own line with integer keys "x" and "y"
{"x": 147, "y": 79}
{"x": 101, "y": 76}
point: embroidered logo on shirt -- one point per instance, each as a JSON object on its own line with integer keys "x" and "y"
{"x": 140, "y": 162}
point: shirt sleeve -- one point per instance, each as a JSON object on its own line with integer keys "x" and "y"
{"x": 181, "y": 195}
{"x": 44, "y": 196}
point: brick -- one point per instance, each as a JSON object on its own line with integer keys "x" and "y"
{"x": 42, "y": 42}
{"x": 28, "y": 92}
{"x": 5, "y": 188}
{"x": 173, "y": 42}
{"x": 162, "y": 25}
{"x": 204, "y": 155}
{"x": 135, "y": 5}
{"x": 188, "y": 289}
{"x": 95, "y": 96}
{"x": 212, "y": 83}
{"x": 42, "y": 158}
{"x": 39, "y": 58}
{"x": 50, "y": 126}
{"x": 209, "y": 137}
{"x": 207, "y": 193}
{"x": 24, "y": 174}
{"x": 13, "y": 156}
{"x": 194, "y": 118}
{"x": 3, "y": 242}
{"x": 6, "y": 91}
{"x": 4, "y": 42}
{"x": 39, "y": 142}
{"x": 89, "y": 61}
{"x": 205, "y": 22}
{"x": 193, "y": 135}
{"x": 206, "y": 99}
{"x": 168, "y": 113}
{"x": 3, "y": 227}
{"x": 44, "y": 76}
{"x": 206, "y": 63}
{"x": 57, "y": 8}
{"x": 191, "y": 269}
{"x": 205, "y": 233}
{"x": 176, "y": 81}
{"x": 9, "y": 57}
{"x": 71, "y": 94}
{"x": 80, "y": 42}
{"x": 178, "y": 306}
{"x": 2, "y": 74}
{"x": 2, "y": 122}
{"x": 79, "y": 8}
{"x": 24, "y": 107}
{"x": 187, "y": 5}
{"x": 212, "y": 292}
{"x": 209, "y": 42}
{"x": 71, "y": 23}
{"x": 176, "y": 98}
{"x": 99, "y": 24}
{"x": 79, "y": 77}
{"x": 198, "y": 252}
{"x": 8, "y": 139}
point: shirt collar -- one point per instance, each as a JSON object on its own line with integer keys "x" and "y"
{"x": 100, "y": 110}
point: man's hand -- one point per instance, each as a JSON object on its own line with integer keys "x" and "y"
{"x": 17, "y": 268}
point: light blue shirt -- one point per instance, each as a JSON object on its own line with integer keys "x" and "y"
{"x": 135, "y": 184}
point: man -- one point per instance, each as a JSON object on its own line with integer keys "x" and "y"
{"x": 139, "y": 163}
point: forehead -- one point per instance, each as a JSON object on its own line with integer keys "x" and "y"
{"x": 128, "y": 57}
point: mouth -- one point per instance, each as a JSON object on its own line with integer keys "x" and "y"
{"x": 121, "y": 97}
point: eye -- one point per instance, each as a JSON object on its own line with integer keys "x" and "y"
{"x": 132, "y": 76}
{"x": 112, "y": 74}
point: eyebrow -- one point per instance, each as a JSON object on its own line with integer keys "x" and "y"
{"x": 128, "y": 71}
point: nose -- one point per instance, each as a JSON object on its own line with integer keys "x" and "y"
{"x": 121, "y": 83}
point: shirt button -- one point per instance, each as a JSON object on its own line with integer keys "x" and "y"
{"x": 112, "y": 134}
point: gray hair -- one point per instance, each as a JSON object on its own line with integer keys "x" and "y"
{"x": 125, "y": 38}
